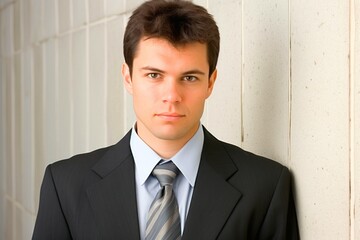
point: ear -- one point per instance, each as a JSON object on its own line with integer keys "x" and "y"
{"x": 212, "y": 80}
{"x": 127, "y": 78}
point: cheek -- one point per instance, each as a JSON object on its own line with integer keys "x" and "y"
{"x": 199, "y": 96}
{"x": 197, "y": 101}
{"x": 143, "y": 97}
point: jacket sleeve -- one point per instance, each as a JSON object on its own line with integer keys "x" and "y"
{"x": 280, "y": 221}
{"x": 50, "y": 223}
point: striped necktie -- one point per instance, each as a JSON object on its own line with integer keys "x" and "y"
{"x": 163, "y": 221}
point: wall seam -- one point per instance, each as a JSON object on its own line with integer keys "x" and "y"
{"x": 351, "y": 120}
{"x": 12, "y": 133}
{"x": 71, "y": 87}
{"x": 56, "y": 74}
{"x": 106, "y": 76}
{"x": 242, "y": 84}
{"x": 290, "y": 88}
{"x": 87, "y": 78}
{"x": 33, "y": 164}
{"x": 4, "y": 151}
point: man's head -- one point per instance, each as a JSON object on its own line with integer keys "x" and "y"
{"x": 171, "y": 50}
{"x": 178, "y": 22}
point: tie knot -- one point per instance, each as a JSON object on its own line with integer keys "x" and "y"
{"x": 166, "y": 173}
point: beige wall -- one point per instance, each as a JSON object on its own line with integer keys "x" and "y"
{"x": 288, "y": 88}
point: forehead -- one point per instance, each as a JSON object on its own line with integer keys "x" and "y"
{"x": 158, "y": 49}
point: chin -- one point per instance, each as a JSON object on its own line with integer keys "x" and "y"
{"x": 168, "y": 136}
{"x": 171, "y": 134}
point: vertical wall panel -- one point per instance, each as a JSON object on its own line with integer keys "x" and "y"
{"x": 97, "y": 87}
{"x": 7, "y": 31}
{"x": 9, "y": 115}
{"x": 50, "y": 22}
{"x": 4, "y": 2}
{"x": 6, "y": 51}
{"x": 16, "y": 131}
{"x": 38, "y": 120}
{"x": 10, "y": 220}
{"x": 320, "y": 116}
{"x": 26, "y": 226}
{"x": 27, "y": 130}
{"x": 227, "y": 106}
{"x": 64, "y": 104}
{"x": 96, "y": 9}
{"x": 3, "y": 21}
{"x": 50, "y": 102}
{"x": 6, "y": 97}
{"x": 266, "y": 78}
{"x": 80, "y": 91}
{"x": 64, "y": 14}
{"x": 79, "y": 13}
{"x": 115, "y": 7}
{"x": 356, "y": 114}
{"x": 26, "y": 22}
{"x": 132, "y": 4}
{"x": 3, "y": 151}
{"x": 17, "y": 25}
{"x": 37, "y": 19}
{"x": 3, "y": 218}
{"x": 115, "y": 91}
{"x": 18, "y": 233}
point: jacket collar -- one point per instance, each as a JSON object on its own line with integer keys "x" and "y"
{"x": 115, "y": 194}
{"x": 113, "y": 198}
{"x": 214, "y": 198}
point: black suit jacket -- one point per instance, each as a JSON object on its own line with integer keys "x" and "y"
{"x": 237, "y": 195}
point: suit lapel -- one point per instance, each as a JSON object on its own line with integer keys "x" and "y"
{"x": 113, "y": 198}
{"x": 214, "y": 198}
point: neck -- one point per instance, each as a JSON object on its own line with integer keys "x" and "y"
{"x": 166, "y": 148}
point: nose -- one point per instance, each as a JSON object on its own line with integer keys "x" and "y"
{"x": 172, "y": 92}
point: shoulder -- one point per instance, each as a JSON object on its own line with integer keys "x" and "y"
{"x": 71, "y": 177}
{"x": 250, "y": 166}
{"x": 246, "y": 159}
{"x": 80, "y": 164}
{"x": 81, "y": 160}
{"x": 80, "y": 170}
{"x": 72, "y": 174}
{"x": 255, "y": 176}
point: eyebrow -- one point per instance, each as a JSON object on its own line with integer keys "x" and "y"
{"x": 148, "y": 68}
{"x": 193, "y": 71}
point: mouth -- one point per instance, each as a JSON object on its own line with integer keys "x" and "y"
{"x": 170, "y": 116}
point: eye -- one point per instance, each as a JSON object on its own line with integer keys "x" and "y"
{"x": 190, "y": 78}
{"x": 153, "y": 75}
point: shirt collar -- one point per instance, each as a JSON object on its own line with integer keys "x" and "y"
{"x": 187, "y": 159}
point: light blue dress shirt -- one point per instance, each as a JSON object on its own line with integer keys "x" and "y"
{"x": 187, "y": 160}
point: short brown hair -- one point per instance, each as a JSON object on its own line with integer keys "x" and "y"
{"x": 178, "y": 21}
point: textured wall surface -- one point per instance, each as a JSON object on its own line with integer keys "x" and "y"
{"x": 288, "y": 88}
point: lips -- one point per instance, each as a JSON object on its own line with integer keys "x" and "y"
{"x": 170, "y": 116}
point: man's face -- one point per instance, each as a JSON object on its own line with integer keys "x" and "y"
{"x": 169, "y": 86}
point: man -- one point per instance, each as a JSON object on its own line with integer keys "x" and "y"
{"x": 212, "y": 190}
